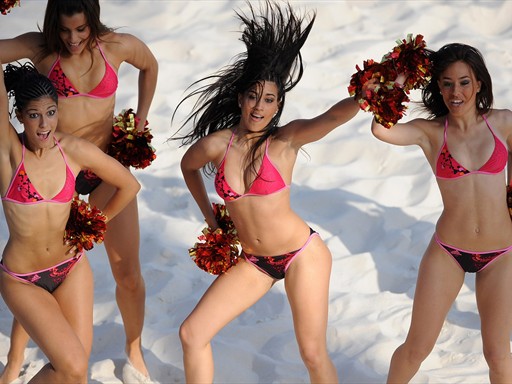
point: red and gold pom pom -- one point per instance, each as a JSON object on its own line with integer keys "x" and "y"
{"x": 387, "y": 100}
{"x": 6, "y": 5}
{"x": 86, "y": 225}
{"x": 130, "y": 146}
{"x": 217, "y": 251}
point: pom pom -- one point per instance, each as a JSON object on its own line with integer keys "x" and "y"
{"x": 6, "y": 5}
{"x": 86, "y": 225}
{"x": 129, "y": 146}
{"x": 217, "y": 251}
{"x": 387, "y": 100}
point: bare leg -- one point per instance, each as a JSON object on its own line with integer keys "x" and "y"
{"x": 493, "y": 287}
{"x": 16, "y": 354}
{"x": 307, "y": 287}
{"x": 228, "y": 296}
{"x": 60, "y": 324}
{"x": 122, "y": 241}
{"x": 439, "y": 282}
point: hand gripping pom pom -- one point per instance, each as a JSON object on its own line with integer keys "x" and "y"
{"x": 86, "y": 225}
{"x": 387, "y": 100}
{"x": 217, "y": 251}
{"x": 130, "y": 146}
{"x": 6, "y": 5}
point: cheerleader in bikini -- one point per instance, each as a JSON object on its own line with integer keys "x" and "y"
{"x": 466, "y": 143}
{"x": 81, "y": 56}
{"x": 237, "y": 137}
{"x": 46, "y": 283}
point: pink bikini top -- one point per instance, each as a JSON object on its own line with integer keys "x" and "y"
{"x": 448, "y": 168}
{"x": 267, "y": 182}
{"x": 106, "y": 88}
{"x": 22, "y": 191}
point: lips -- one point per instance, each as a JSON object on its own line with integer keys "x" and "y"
{"x": 43, "y": 135}
{"x": 257, "y": 117}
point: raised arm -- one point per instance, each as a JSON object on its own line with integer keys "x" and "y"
{"x": 408, "y": 133}
{"x": 305, "y": 131}
{"x": 4, "y": 105}
{"x": 7, "y": 131}
{"x": 25, "y": 46}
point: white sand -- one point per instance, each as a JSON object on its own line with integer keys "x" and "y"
{"x": 375, "y": 205}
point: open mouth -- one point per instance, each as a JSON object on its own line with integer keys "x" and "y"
{"x": 74, "y": 45}
{"x": 43, "y": 135}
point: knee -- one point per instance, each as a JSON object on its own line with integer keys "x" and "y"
{"x": 130, "y": 280}
{"x": 414, "y": 354}
{"x": 189, "y": 336}
{"x": 72, "y": 369}
{"x": 313, "y": 354}
{"x": 497, "y": 361}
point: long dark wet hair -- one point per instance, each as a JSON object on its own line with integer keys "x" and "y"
{"x": 25, "y": 84}
{"x": 442, "y": 59}
{"x": 273, "y": 40}
{"x": 51, "y": 24}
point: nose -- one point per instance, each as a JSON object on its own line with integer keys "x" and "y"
{"x": 43, "y": 122}
{"x": 258, "y": 104}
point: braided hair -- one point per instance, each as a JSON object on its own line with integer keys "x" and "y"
{"x": 273, "y": 40}
{"x": 25, "y": 84}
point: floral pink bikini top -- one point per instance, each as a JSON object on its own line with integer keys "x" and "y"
{"x": 22, "y": 191}
{"x": 449, "y": 168}
{"x": 267, "y": 182}
{"x": 106, "y": 88}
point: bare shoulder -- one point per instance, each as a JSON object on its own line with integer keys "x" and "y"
{"x": 73, "y": 146}
{"x": 213, "y": 146}
{"x": 120, "y": 42}
{"x": 500, "y": 116}
{"x": 215, "y": 142}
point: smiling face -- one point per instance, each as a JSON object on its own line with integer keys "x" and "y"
{"x": 74, "y": 32}
{"x": 258, "y": 105}
{"x": 459, "y": 87}
{"x": 39, "y": 118}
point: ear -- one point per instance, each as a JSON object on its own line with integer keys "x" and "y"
{"x": 479, "y": 86}
{"x": 240, "y": 97}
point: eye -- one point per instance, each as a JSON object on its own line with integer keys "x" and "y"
{"x": 81, "y": 29}
{"x": 446, "y": 84}
{"x": 33, "y": 115}
{"x": 269, "y": 100}
{"x": 464, "y": 82}
{"x": 52, "y": 112}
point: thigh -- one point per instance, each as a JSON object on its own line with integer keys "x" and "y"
{"x": 438, "y": 284}
{"x": 75, "y": 298}
{"x": 307, "y": 288}
{"x": 493, "y": 287}
{"x": 42, "y": 317}
{"x": 227, "y": 297}
{"x": 122, "y": 238}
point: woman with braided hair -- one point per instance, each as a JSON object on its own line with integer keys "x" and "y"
{"x": 45, "y": 282}
{"x": 82, "y": 56}
{"x": 237, "y": 134}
